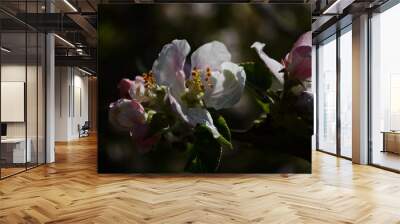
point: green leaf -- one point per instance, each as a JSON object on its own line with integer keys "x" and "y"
{"x": 157, "y": 123}
{"x": 257, "y": 76}
{"x": 207, "y": 148}
{"x": 191, "y": 164}
{"x": 265, "y": 106}
{"x": 222, "y": 127}
{"x": 224, "y": 143}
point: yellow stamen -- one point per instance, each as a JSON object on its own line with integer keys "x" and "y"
{"x": 149, "y": 80}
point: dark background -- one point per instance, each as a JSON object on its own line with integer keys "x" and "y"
{"x": 131, "y": 36}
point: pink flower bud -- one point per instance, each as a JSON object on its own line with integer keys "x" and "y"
{"x": 124, "y": 114}
{"x": 124, "y": 86}
{"x": 129, "y": 116}
{"x": 298, "y": 61}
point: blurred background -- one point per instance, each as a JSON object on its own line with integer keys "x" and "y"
{"x": 131, "y": 36}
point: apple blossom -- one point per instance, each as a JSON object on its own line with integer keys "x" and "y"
{"x": 214, "y": 80}
{"x": 297, "y": 62}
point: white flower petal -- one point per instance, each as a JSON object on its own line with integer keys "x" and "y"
{"x": 138, "y": 90}
{"x": 273, "y": 65}
{"x": 199, "y": 115}
{"x": 227, "y": 86}
{"x": 177, "y": 89}
{"x": 211, "y": 54}
{"x": 168, "y": 68}
{"x": 192, "y": 116}
{"x": 176, "y": 107}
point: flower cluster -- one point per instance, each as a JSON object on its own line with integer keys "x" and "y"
{"x": 214, "y": 82}
{"x": 169, "y": 103}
